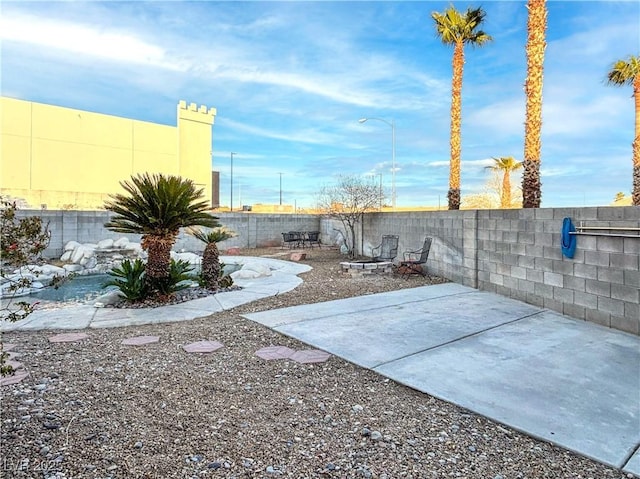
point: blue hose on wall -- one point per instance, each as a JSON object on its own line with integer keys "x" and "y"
{"x": 568, "y": 240}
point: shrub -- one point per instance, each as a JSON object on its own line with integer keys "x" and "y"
{"x": 129, "y": 279}
{"x": 177, "y": 280}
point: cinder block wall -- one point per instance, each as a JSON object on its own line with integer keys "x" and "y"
{"x": 517, "y": 253}
{"x": 253, "y": 230}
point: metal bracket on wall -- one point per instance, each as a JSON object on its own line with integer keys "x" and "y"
{"x": 620, "y": 231}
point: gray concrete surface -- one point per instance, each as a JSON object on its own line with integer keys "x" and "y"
{"x": 569, "y": 382}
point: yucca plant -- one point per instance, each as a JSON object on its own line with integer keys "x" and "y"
{"x": 211, "y": 267}
{"x": 156, "y": 207}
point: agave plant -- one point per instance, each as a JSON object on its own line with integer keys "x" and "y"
{"x": 156, "y": 207}
{"x": 211, "y": 266}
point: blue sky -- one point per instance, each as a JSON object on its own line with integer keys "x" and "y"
{"x": 291, "y": 79}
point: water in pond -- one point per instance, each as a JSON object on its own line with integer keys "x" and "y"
{"x": 85, "y": 288}
{"x": 80, "y": 288}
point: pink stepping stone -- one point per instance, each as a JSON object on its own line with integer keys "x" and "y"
{"x": 8, "y": 346}
{"x": 203, "y": 347}
{"x": 275, "y": 352}
{"x": 13, "y": 364}
{"x": 16, "y": 378}
{"x": 140, "y": 340}
{"x": 68, "y": 337}
{"x": 310, "y": 356}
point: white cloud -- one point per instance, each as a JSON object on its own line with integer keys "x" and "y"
{"x": 83, "y": 39}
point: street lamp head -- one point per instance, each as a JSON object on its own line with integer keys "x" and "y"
{"x": 362, "y": 120}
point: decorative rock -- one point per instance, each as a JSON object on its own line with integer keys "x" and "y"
{"x": 275, "y": 352}
{"x": 68, "y": 337}
{"x": 140, "y": 340}
{"x": 310, "y": 356}
{"x": 71, "y": 245}
{"x": 376, "y": 436}
{"x": 203, "y": 347}
{"x": 232, "y": 251}
{"x": 121, "y": 243}
{"x": 297, "y": 256}
{"x": 71, "y": 268}
{"x": 105, "y": 244}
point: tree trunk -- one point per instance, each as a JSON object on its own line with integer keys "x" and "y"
{"x": 456, "y": 119}
{"x": 536, "y": 27}
{"x": 159, "y": 257}
{"x": 211, "y": 266}
{"x": 635, "y": 192}
{"x": 505, "y": 199}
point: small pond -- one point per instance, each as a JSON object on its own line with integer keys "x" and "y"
{"x": 79, "y": 288}
{"x": 85, "y": 288}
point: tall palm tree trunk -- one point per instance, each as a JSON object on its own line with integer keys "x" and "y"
{"x": 211, "y": 266}
{"x": 536, "y": 27}
{"x": 456, "y": 120}
{"x": 505, "y": 198}
{"x": 635, "y": 193}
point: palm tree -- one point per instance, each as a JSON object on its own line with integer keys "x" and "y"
{"x": 157, "y": 207}
{"x": 506, "y": 165}
{"x": 536, "y": 27}
{"x": 211, "y": 256}
{"x": 457, "y": 29}
{"x": 628, "y": 73}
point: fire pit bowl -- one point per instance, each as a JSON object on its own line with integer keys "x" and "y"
{"x": 363, "y": 268}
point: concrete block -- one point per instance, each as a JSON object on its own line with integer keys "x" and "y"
{"x": 611, "y": 275}
{"x": 526, "y": 237}
{"x": 535, "y": 275}
{"x": 543, "y": 239}
{"x": 563, "y": 295}
{"x": 588, "y": 300}
{"x": 563, "y": 266}
{"x": 496, "y": 279}
{"x": 613, "y": 307}
{"x": 544, "y": 264}
{"x": 628, "y": 325}
{"x": 518, "y": 272}
{"x": 599, "y": 288}
{"x": 610, "y": 244}
{"x": 510, "y": 259}
{"x": 535, "y": 300}
{"x": 632, "y": 278}
{"x": 517, "y": 249}
{"x": 553, "y": 279}
{"x": 631, "y": 245}
{"x": 632, "y": 310}
{"x": 598, "y": 317}
{"x": 588, "y": 271}
{"x": 534, "y": 250}
{"x": 526, "y": 262}
{"x": 525, "y": 287}
{"x": 598, "y": 258}
{"x": 575, "y": 283}
{"x": 543, "y": 290}
{"x": 573, "y": 310}
{"x": 553, "y": 304}
{"x": 552, "y": 252}
{"x": 624, "y": 261}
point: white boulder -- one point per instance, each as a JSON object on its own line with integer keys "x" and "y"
{"x": 71, "y": 245}
{"x": 105, "y": 244}
{"x": 121, "y": 243}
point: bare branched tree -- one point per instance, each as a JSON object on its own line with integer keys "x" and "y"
{"x": 348, "y": 200}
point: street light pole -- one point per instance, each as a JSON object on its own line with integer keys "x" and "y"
{"x": 280, "y": 188}
{"x": 231, "y": 202}
{"x": 392, "y": 124}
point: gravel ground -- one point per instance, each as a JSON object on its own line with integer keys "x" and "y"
{"x": 99, "y": 409}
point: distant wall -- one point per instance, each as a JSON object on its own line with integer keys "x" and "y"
{"x": 515, "y": 253}
{"x": 67, "y": 158}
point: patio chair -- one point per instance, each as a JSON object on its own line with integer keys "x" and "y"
{"x": 387, "y": 250}
{"x": 313, "y": 238}
{"x": 414, "y": 262}
{"x": 291, "y": 239}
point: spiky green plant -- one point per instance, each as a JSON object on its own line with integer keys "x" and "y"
{"x": 156, "y": 207}
{"x": 211, "y": 267}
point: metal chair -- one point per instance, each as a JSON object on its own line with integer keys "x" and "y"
{"x": 387, "y": 250}
{"x": 414, "y": 261}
